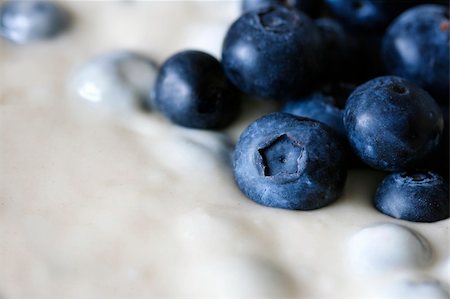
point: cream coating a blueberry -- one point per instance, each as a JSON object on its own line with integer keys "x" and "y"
{"x": 289, "y": 162}
{"x": 386, "y": 247}
{"x": 392, "y": 124}
{"x": 274, "y": 52}
{"x": 192, "y": 91}
{"x": 416, "y": 47}
{"x": 24, "y": 22}
{"x": 118, "y": 80}
{"x": 414, "y": 196}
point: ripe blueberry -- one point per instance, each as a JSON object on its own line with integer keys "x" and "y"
{"x": 416, "y": 47}
{"x": 290, "y": 162}
{"x": 368, "y": 14}
{"x": 192, "y": 91}
{"x": 392, "y": 123}
{"x": 413, "y": 196}
{"x": 274, "y": 53}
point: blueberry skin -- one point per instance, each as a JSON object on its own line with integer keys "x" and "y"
{"x": 309, "y": 7}
{"x": 318, "y": 107}
{"x": 273, "y": 53}
{"x": 24, "y": 22}
{"x": 192, "y": 91}
{"x": 414, "y": 196}
{"x": 372, "y": 15}
{"x": 416, "y": 47}
{"x": 290, "y": 162}
{"x": 392, "y": 123}
{"x": 365, "y": 14}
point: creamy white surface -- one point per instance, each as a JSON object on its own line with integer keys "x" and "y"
{"x": 98, "y": 206}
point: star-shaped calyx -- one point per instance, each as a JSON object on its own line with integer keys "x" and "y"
{"x": 281, "y": 157}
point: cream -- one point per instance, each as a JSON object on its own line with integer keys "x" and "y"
{"x": 95, "y": 205}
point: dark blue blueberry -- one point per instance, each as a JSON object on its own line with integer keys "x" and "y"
{"x": 27, "y": 21}
{"x": 365, "y": 14}
{"x": 416, "y": 47}
{"x": 192, "y": 91}
{"x": 413, "y": 196}
{"x": 290, "y": 162}
{"x": 310, "y": 7}
{"x": 370, "y": 14}
{"x": 392, "y": 123}
{"x": 274, "y": 53}
{"x": 340, "y": 49}
{"x": 318, "y": 107}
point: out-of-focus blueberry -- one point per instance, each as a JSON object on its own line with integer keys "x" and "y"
{"x": 413, "y": 196}
{"x": 119, "y": 80}
{"x": 290, "y": 162}
{"x": 274, "y": 52}
{"x": 416, "y": 47}
{"x": 392, "y": 123}
{"x": 27, "y": 21}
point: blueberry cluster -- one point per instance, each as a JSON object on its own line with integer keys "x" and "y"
{"x": 341, "y": 104}
{"x": 362, "y": 83}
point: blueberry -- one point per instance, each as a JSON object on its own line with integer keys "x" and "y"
{"x": 392, "y": 123}
{"x": 370, "y": 14}
{"x": 290, "y": 162}
{"x": 318, "y": 107}
{"x": 28, "y": 21}
{"x": 413, "y": 196}
{"x": 416, "y": 47}
{"x": 192, "y": 91}
{"x": 365, "y": 14}
{"x": 309, "y": 7}
{"x": 274, "y": 52}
